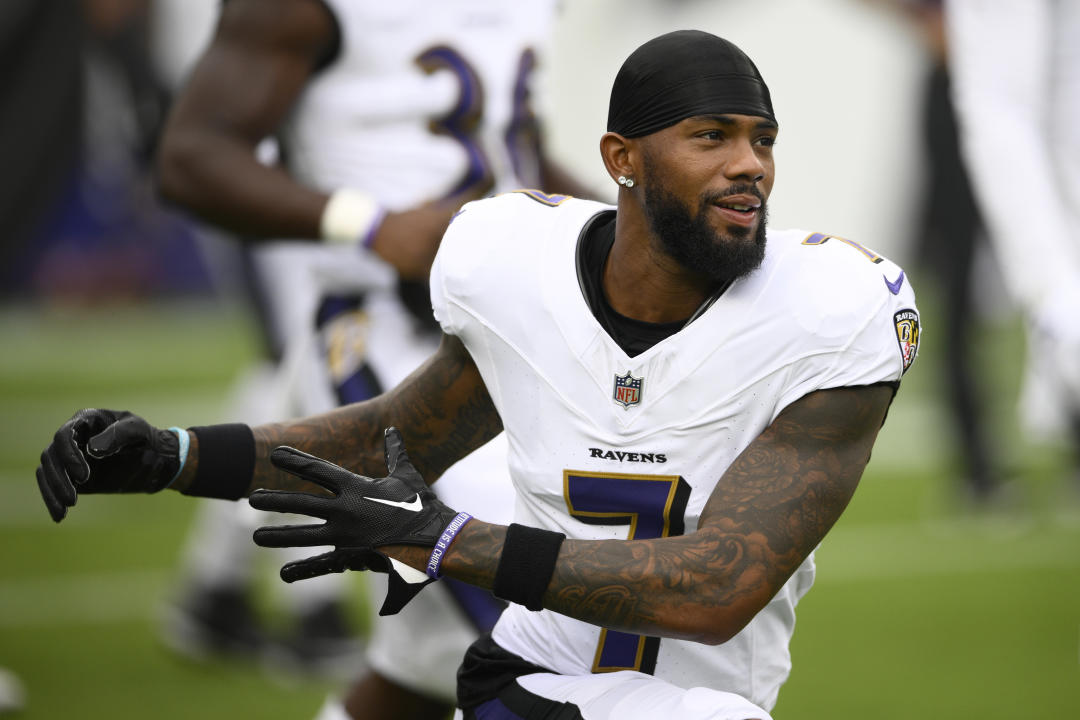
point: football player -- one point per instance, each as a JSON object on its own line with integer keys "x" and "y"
{"x": 1019, "y": 116}
{"x": 689, "y": 400}
{"x": 388, "y": 116}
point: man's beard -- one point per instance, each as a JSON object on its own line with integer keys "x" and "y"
{"x": 690, "y": 240}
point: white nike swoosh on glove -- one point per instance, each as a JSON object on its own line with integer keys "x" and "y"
{"x": 414, "y": 505}
{"x": 408, "y": 573}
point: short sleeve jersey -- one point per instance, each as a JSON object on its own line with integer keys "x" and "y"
{"x": 419, "y": 100}
{"x": 605, "y": 446}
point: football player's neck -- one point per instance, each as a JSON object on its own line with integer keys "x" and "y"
{"x": 643, "y": 283}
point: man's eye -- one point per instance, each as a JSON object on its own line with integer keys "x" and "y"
{"x": 712, "y": 135}
{"x": 767, "y": 141}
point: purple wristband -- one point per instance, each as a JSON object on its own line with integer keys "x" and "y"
{"x": 447, "y": 537}
{"x": 369, "y": 239}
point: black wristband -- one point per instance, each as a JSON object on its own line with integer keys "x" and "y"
{"x": 526, "y": 565}
{"x": 226, "y": 461}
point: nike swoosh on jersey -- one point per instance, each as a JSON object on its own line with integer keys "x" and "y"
{"x": 894, "y": 286}
{"x": 414, "y": 505}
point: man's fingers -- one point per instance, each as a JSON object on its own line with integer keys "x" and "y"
{"x": 58, "y": 479}
{"x": 121, "y": 435}
{"x": 287, "y": 501}
{"x": 310, "y": 468}
{"x": 398, "y": 463}
{"x": 394, "y": 446}
{"x": 311, "y": 567}
{"x": 57, "y": 509}
{"x": 291, "y": 536}
{"x": 65, "y": 452}
{"x": 395, "y": 451}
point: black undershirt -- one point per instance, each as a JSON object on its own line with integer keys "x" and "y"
{"x": 633, "y": 336}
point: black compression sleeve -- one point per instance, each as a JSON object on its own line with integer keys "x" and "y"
{"x": 226, "y": 461}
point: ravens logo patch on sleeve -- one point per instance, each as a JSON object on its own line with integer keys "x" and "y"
{"x": 907, "y": 334}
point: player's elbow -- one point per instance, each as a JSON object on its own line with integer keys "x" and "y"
{"x": 716, "y": 627}
{"x": 720, "y": 614}
{"x": 707, "y": 623}
{"x": 177, "y": 167}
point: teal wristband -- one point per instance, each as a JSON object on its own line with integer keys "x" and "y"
{"x": 185, "y": 445}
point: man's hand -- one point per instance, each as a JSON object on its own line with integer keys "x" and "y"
{"x": 362, "y": 515}
{"x": 408, "y": 240}
{"x": 105, "y": 451}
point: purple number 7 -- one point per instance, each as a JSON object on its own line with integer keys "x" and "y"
{"x": 653, "y": 506}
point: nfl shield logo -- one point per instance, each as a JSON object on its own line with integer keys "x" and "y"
{"x": 628, "y": 390}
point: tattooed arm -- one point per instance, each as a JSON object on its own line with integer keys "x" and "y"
{"x": 443, "y": 411}
{"x": 768, "y": 512}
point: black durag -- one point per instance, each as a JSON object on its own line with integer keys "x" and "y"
{"x": 684, "y": 74}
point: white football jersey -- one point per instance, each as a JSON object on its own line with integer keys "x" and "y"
{"x": 422, "y": 96}
{"x": 420, "y": 99}
{"x": 605, "y": 446}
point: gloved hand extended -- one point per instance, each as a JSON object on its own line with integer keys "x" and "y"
{"x": 105, "y": 451}
{"x": 363, "y": 515}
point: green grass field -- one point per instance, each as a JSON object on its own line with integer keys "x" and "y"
{"x": 921, "y": 609}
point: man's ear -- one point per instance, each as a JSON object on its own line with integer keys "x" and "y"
{"x": 620, "y": 155}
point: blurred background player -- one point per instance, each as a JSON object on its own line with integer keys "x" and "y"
{"x": 40, "y": 149}
{"x": 947, "y": 243}
{"x": 79, "y": 119}
{"x": 1016, "y": 86}
{"x": 386, "y": 117}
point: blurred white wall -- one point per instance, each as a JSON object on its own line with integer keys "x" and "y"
{"x": 845, "y": 80}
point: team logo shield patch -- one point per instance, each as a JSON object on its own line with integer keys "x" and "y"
{"x": 627, "y": 390}
{"x": 907, "y": 334}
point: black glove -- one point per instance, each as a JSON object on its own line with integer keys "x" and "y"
{"x": 105, "y": 451}
{"x": 363, "y": 515}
